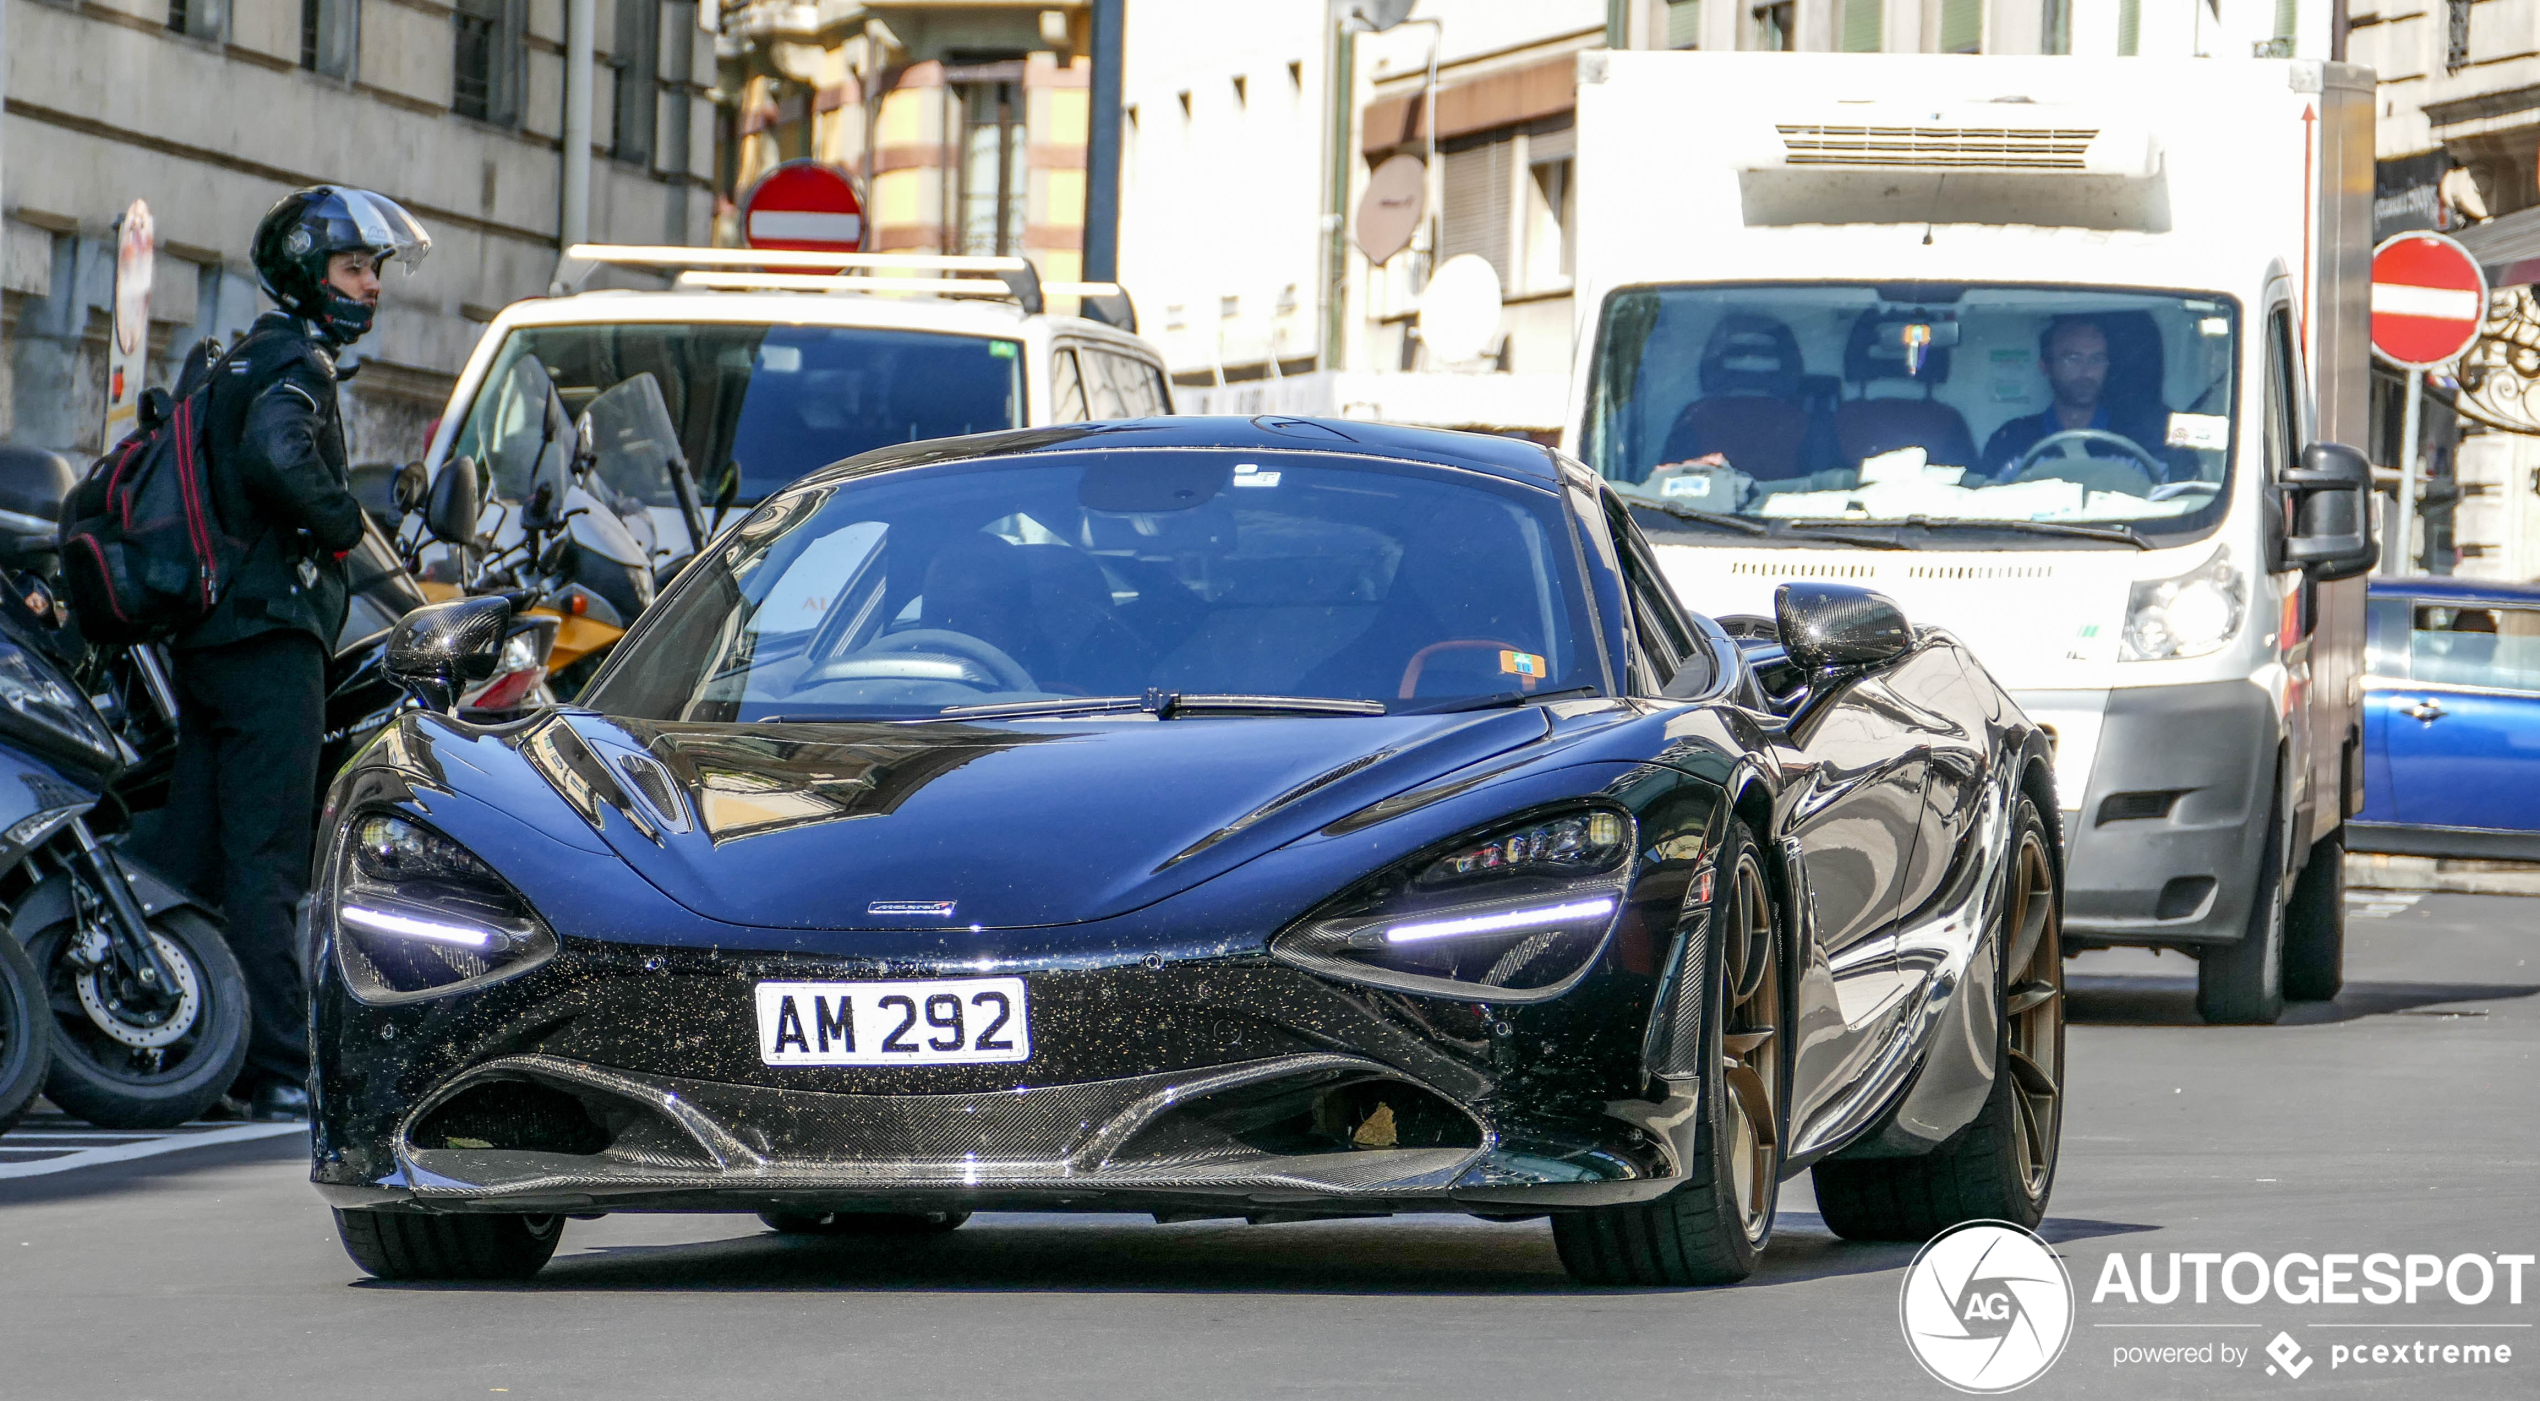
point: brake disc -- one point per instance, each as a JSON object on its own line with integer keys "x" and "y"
{"x": 132, "y": 1026}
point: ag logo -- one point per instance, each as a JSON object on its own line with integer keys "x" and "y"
{"x": 1986, "y": 1307}
{"x": 299, "y": 242}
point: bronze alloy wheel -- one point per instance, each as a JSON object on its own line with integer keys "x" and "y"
{"x": 1750, "y": 1002}
{"x": 2033, "y": 1047}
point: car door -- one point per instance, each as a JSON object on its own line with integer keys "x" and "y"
{"x": 2462, "y": 735}
{"x": 2385, "y": 690}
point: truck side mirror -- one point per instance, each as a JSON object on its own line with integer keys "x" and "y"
{"x": 450, "y": 504}
{"x": 2328, "y": 513}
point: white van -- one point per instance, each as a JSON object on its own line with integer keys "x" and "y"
{"x": 771, "y": 364}
{"x": 2057, "y": 352}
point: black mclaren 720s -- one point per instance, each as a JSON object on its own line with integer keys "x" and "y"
{"x": 1269, "y": 819}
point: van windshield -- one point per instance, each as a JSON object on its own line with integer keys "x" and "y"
{"x": 1920, "y": 403}
{"x": 770, "y": 402}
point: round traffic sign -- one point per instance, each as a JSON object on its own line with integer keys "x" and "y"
{"x": 2428, "y": 299}
{"x": 803, "y": 207}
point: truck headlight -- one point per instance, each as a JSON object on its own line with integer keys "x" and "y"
{"x": 417, "y": 915}
{"x": 2187, "y": 616}
{"x": 1512, "y": 913}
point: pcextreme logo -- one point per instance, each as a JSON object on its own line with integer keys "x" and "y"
{"x": 1986, "y": 1307}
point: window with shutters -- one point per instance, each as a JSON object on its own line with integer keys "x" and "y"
{"x": 992, "y": 169}
{"x": 2055, "y": 26}
{"x": 1961, "y": 26}
{"x": 1861, "y": 31}
{"x": 330, "y": 36}
{"x": 1551, "y": 196}
{"x": 1774, "y": 28}
{"x": 635, "y": 69}
{"x": 2456, "y": 36}
{"x": 2129, "y": 28}
{"x": 1684, "y": 24}
{"x": 1480, "y": 178}
{"x": 487, "y": 47}
{"x": 199, "y": 19}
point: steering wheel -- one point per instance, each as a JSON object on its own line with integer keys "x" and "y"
{"x": 1420, "y": 659}
{"x": 2153, "y": 467}
{"x": 902, "y": 655}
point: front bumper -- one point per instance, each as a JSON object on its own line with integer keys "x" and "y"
{"x": 627, "y": 1079}
{"x": 2183, "y": 876}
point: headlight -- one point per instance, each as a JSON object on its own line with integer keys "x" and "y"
{"x": 40, "y": 708}
{"x": 416, "y": 914}
{"x": 2187, "y": 616}
{"x": 1513, "y": 914}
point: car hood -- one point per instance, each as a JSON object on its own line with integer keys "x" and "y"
{"x": 896, "y": 826}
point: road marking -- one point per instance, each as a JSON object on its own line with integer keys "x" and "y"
{"x": 65, "y": 1149}
{"x": 2380, "y": 904}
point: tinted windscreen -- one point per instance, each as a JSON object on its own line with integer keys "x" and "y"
{"x": 774, "y": 401}
{"x": 1304, "y": 575}
{"x": 1812, "y": 402}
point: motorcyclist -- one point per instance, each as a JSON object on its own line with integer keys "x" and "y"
{"x": 251, "y": 677}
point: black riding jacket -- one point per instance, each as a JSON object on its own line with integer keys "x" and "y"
{"x": 279, "y": 483}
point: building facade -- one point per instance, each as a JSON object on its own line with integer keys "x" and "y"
{"x": 210, "y": 110}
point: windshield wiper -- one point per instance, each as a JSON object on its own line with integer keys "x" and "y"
{"x": 1866, "y": 542}
{"x": 1503, "y": 699}
{"x": 1721, "y": 519}
{"x": 2121, "y": 534}
{"x": 1163, "y": 705}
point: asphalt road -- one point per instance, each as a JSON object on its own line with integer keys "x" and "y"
{"x": 2404, "y": 1118}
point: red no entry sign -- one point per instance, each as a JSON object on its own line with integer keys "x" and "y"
{"x": 2428, "y": 298}
{"x": 803, "y": 207}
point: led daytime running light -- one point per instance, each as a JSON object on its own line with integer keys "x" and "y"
{"x": 1500, "y": 922}
{"x": 465, "y": 936}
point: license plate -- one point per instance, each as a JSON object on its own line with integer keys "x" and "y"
{"x": 957, "y": 1021}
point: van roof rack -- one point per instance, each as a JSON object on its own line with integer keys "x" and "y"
{"x": 776, "y": 270}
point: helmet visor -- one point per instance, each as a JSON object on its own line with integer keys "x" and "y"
{"x": 383, "y": 226}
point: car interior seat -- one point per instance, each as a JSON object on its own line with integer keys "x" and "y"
{"x": 1749, "y": 412}
{"x": 1883, "y": 351}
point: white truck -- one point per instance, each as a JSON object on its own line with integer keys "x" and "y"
{"x": 2056, "y": 352}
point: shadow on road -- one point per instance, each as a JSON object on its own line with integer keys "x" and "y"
{"x": 2145, "y": 1000}
{"x": 1403, "y": 1256}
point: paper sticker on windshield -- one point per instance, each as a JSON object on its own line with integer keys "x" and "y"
{"x": 1001, "y": 350}
{"x": 2205, "y": 432}
{"x": 1250, "y": 474}
{"x": 1687, "y": 486}
{"x": 1521, "y": 664}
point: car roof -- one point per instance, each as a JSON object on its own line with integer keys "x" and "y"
{"x": 1516, "y": 459}
{"x": 958, "y": 315}
{"x": 2445, "y": 588}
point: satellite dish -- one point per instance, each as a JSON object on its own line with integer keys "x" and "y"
{"x": 1459, "y": 313}
{"x": 1397, "y": 196}
{"x": 1377, "y": 16}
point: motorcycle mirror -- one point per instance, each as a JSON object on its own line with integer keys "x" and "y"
{"x": 411, "y": 488}
{"x": 450, "y": 503}
{"x": 436, "y": 650}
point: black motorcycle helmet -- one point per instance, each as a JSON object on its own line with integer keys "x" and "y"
{"x": 298, "y": 235}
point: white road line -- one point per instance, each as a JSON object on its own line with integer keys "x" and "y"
{"x": 2380, "y": 904}
{"x": 125, "y": 1152}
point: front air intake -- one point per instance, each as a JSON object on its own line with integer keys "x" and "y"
{"x": 1937, "y": 147}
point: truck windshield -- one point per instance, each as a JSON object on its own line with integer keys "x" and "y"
{"x": 1935, "y": 405}
{"x": 770, "y": 402}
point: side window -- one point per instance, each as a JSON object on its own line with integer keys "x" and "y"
{"x": 1676, "y": 657}
{"x": 2283, "y": 411}
{"x": 1067, "y": 389}
{"x": 2386, "y": 638}
{"x": 2471, "y": 645}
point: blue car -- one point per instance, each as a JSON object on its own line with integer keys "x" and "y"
{"x": 2451, "y": 720}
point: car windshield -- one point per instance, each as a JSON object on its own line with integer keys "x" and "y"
{"x": 1063, "y": 577}
{"x": 1919, "y": 402}
{"x": 770, "y": 403}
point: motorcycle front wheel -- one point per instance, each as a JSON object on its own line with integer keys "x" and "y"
{"x": 26, "y": 1032}
{"x": 122, "y": 1061}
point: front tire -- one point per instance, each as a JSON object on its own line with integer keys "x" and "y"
{"x": 2315, "y": 925}
{"x": 2242, "y": 983}
{"x": 1712, "y": 1229}
{"x": 408, "y": 1245}
{"x": 863, "y": 1223}
{"x": 26, "y": 1032}
{"x": 2002, "y": 1166}
{"x": 121, "y": 1072}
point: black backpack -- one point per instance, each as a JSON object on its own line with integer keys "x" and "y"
{"x": 143, "y": 553}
